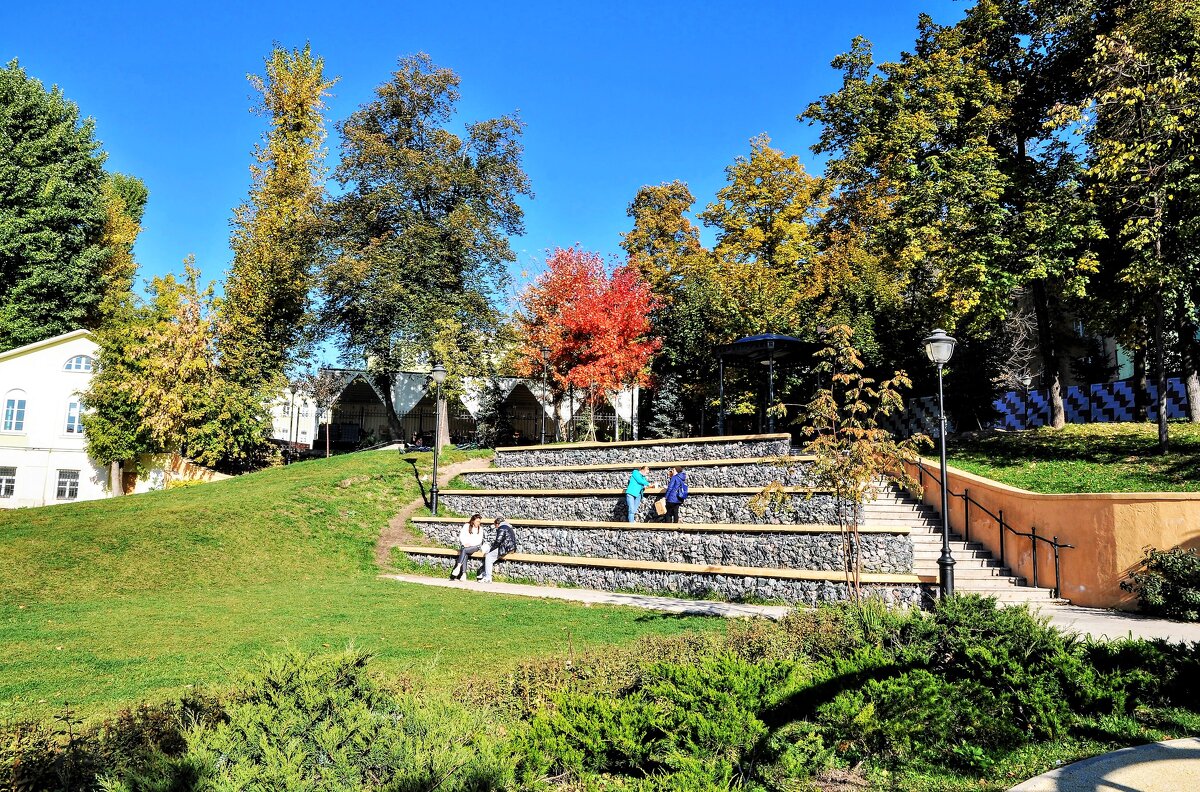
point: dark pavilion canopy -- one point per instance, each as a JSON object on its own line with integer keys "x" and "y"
{"x": 767, "y": 349}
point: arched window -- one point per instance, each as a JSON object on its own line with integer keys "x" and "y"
{"x": 79, "y": 363}
{"x": 13, "y": 418}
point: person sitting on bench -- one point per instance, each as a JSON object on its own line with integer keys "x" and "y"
{"x": 503, "y": 543}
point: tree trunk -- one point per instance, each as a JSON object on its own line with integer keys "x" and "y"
{"x": 1048, "y": 345}
{"x": 383, "y": 382}
{"x": 116, "y": 481}
{"x": 1190, "y": 352}
{"x": 1141, "y": 393}
{"x": 1160, "y": 373}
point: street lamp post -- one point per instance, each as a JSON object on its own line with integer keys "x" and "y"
{"x": 438, "y": 375}
{"x": 545, "y": 367}
{"x": 1025, "y": 380}
{"x": 939, "y": 348}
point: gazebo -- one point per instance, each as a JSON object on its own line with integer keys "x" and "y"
{"x": 767, "y": 349}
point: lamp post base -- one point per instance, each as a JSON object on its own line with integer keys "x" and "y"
{"x": 433, "y": 497}
{"x": 946, "y": 574}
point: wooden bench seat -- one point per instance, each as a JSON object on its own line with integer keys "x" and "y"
{"x": 629, "y": 466}
{"x": 684, "y": 527}
{"x": 662, "y": 566}
{"x": 615, "y": 493}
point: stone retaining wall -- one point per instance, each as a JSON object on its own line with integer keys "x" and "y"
{"x": 820, "y": 509}
{"x": 614, "y": 453}
{"x": 734, "y": 589}
{"x": 744, "y": 475}
{"x": 880, "y": 552}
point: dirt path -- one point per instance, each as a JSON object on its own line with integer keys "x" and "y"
{"x": 398, "y": 532}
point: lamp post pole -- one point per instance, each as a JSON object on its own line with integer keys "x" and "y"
{"x": 939, "y": 348}
{"x": 545, "y": 367}
{"x": 438, "y": 375}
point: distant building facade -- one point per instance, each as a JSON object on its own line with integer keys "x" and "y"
{"x": 43, "y": 459}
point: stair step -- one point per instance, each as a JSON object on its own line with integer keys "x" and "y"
{"x": 967, "y": 573}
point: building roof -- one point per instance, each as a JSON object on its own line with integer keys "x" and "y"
{"x": 45, "y": 344}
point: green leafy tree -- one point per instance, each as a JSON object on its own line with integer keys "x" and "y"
{"x": 1141, "y": 126}
{"x": 157, "y": 389}
{"x": 420, "y": 236}
{"x": 52, "y": 213}
{"x": 276, "y": 233}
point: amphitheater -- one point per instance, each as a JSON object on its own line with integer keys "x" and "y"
{"x": 567, "y": 505}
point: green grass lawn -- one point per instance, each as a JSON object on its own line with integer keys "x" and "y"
{"x": 1114, "y": 457}
{"x": 111, "y": 602}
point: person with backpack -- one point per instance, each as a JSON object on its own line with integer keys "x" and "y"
{"x": 503, "y": 543}
{"x": 677, "y": 492}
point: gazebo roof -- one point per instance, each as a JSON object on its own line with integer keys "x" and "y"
{"x": 767, "y": 346}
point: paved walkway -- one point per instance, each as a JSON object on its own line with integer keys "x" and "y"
{"x": 1172, "y": 766}
{"x": 1085, "y": 621}
{"x": 591, "y": 596}
{"x": 1116, "y": 624}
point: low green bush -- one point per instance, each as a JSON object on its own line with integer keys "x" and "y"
{"x": 1168, "y": 583}
{"x": 306, "y": 722}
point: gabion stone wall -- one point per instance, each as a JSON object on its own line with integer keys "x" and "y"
{"x": 820, "y": 509}
{"x": 806, "y": 592}
{"x": 613, "y": 453}
{"x": 745, "y": 475}
{"x": 880, "y": 552}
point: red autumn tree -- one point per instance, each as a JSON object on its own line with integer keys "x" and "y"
{"x": 594, "y": 324}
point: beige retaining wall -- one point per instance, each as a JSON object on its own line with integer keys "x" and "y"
{"x": 1109, "y": 531}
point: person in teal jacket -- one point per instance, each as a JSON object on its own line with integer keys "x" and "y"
{"x": 638, "y": 480}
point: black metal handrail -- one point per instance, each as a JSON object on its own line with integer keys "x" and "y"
{"x": 1032, "y": 535}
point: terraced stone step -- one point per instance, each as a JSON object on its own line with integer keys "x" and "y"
{"x": 754, "y": 545}
{"x": 704, "y": 505}
{"x": 730, "y": 582}
{"x": 749, "y": 472}
{"x": 647, "y": 451}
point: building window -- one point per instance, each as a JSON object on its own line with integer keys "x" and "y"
{"x": 14, "y": 412}
{"x": 79, "y": 363}
{"x": 74, "y": 425}
{"x": 68, "y": 485}
{"x": 287, "y": 409}
{"x": 8, "y": 481}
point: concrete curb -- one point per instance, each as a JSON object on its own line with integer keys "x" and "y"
{"x": 1171, "y": 766}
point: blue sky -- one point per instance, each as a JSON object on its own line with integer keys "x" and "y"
{"x": 615, "y": 95}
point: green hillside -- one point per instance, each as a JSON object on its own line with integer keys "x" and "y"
{"x": 134, "y": 598}
{"x": 1105, "y": 457}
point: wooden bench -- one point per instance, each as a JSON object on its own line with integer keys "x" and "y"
{"x": 585, "y": 525}
{"x": 663, "y": 566}
{"x": 629, "y": 466}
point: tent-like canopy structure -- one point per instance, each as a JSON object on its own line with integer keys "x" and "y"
{"x": 767, "y": 349}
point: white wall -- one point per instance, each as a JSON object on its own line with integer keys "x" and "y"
{"x": 44, "y": 446}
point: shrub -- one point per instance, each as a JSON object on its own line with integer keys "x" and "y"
{"x": 1168, "y": 583}
{"x": 309, "y": 722}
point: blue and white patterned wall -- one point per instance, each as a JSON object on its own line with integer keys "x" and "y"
{"x": 1106, "y": 402}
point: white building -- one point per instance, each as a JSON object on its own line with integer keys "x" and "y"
{"x": 42, "y": 456}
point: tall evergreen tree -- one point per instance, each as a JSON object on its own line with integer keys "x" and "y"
{"x": 420, "y": 236}
{"x": 52, "y": 213}
{"x": 276, "y": 233}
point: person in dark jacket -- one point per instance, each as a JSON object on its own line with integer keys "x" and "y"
{"x": 676, "y": 494}
{"x": 503, "y": 543}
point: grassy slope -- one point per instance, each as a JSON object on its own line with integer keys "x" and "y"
{"x": 1086, "y": 458}
{"x": 115, "y": 601}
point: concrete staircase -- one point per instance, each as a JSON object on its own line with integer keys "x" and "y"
{"x": 976, "y": 570}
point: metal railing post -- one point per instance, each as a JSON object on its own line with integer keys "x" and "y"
{"x": 1033, "y": 545}
{"x": 1001, "y": 521}
{"x": 1057, "y": 572}
{"x": 967, "y": 513}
